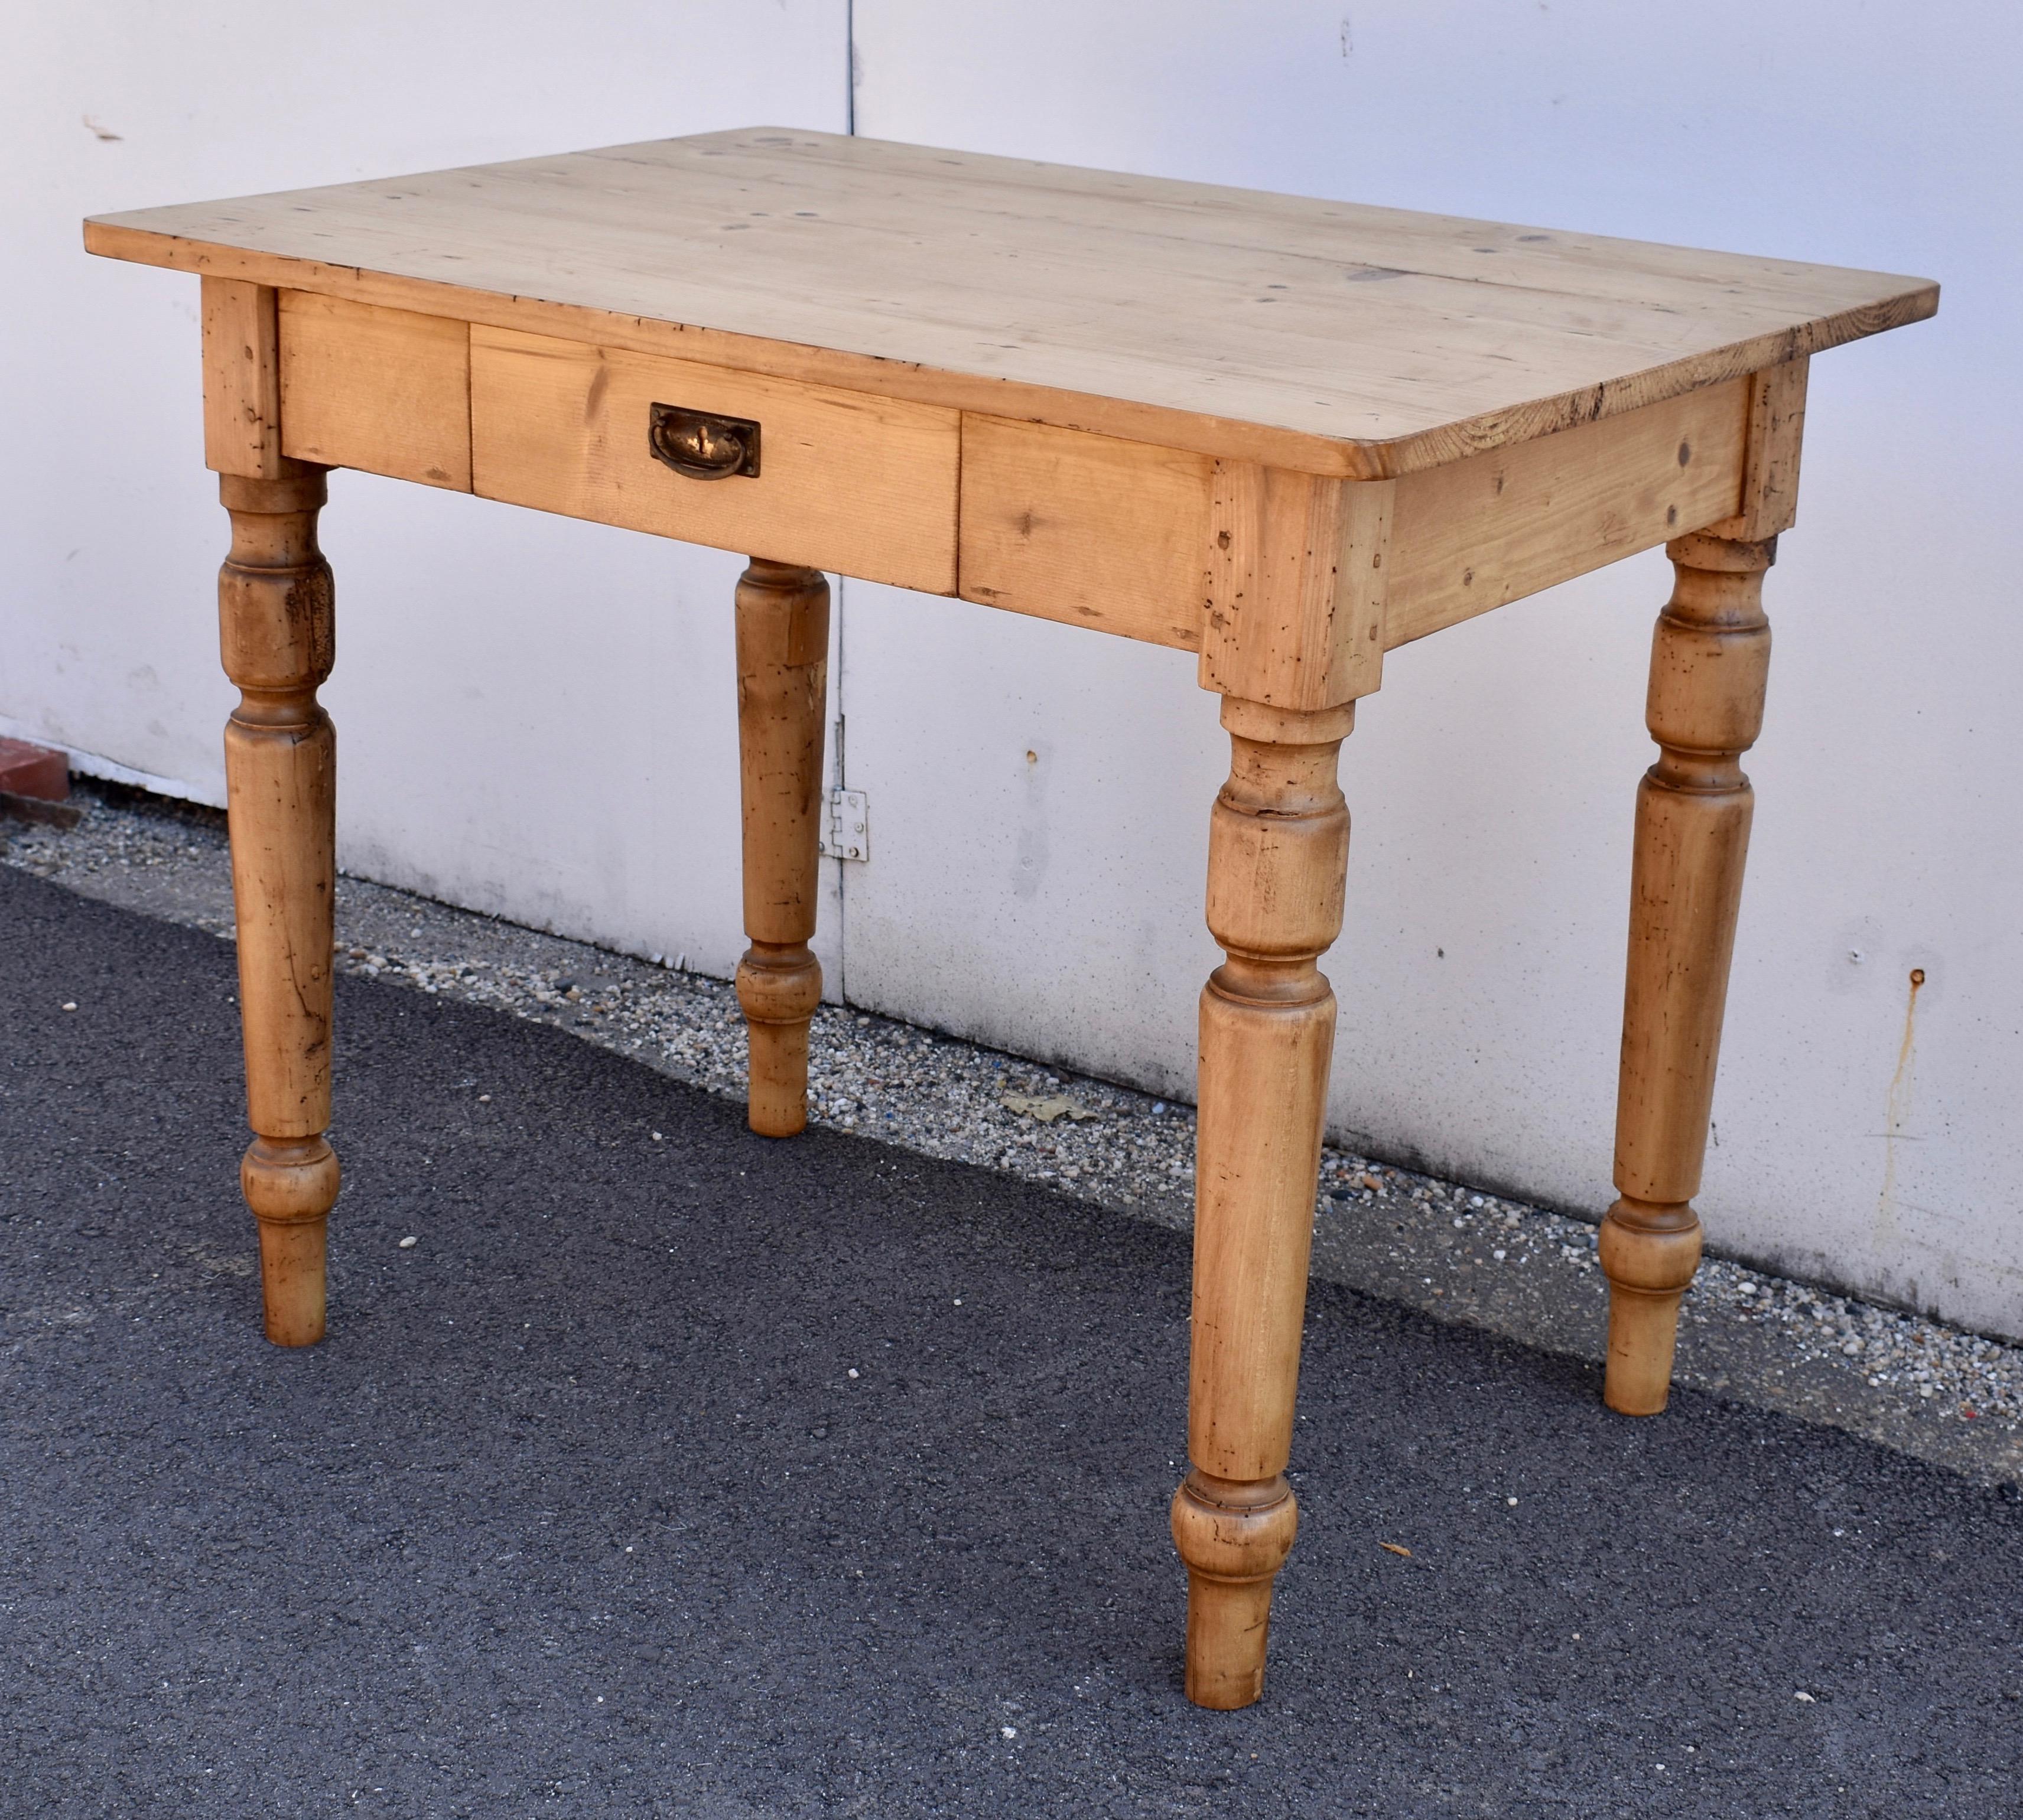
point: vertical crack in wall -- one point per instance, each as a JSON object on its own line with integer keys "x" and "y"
{"x": 850, "y": 68}
{"x": 840, "y": 780}
{"x": 850, "y": 74}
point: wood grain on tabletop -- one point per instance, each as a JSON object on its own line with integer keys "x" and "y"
{"x": 1332, "y": 336}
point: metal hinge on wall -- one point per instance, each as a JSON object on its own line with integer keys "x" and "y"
{"x": 846, "y": 826}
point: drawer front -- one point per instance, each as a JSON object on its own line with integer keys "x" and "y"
{"x": 859, "y": 485}
{"x": 383, "y": 390}
{"x": 1086, "y": 529}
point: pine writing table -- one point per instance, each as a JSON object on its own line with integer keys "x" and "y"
{"x": 1288, "y": 435}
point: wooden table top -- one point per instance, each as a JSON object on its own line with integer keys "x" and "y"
{"x": 1327, "y": 336}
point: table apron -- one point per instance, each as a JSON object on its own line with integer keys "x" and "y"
{"x": 1057, "y": 523}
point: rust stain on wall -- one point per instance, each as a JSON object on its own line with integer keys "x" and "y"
{"x": 1896, "y": 1113}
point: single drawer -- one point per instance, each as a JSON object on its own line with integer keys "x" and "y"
{"x": 383, "y": 390}
{"x": 844, "y": 482}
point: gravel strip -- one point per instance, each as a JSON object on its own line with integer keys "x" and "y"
{"x": 1526, "y": 1272}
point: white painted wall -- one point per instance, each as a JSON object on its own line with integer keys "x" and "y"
{"x": 535, "y": 717}
{"x": 1055, "y": 906}
{"x": 576, "y": 770}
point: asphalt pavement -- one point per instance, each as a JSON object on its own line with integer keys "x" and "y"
{"x": 672, "y": 1472}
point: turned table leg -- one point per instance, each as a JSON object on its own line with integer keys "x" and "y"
{"x": 276, "y": 629}
{"x": 1710, "y": 658}
{"x": 1278, "y": 850}
{"x": 782, "y": 681}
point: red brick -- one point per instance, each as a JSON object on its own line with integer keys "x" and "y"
{"x": 36, "y": 771}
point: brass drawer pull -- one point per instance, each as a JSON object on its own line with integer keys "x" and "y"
{"x": 703, "y": 445}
